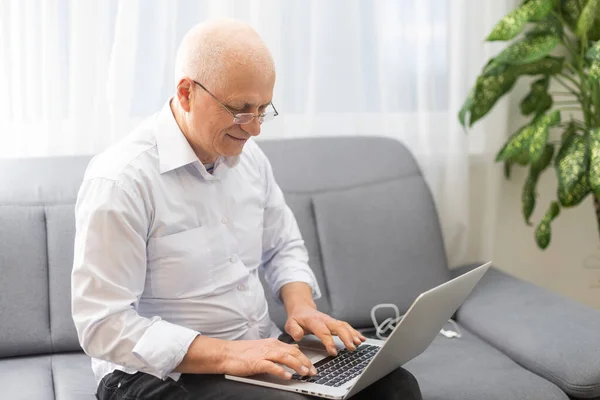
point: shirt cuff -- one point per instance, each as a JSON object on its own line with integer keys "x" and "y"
{"x": 298, "y": 275}
{"x": 163, "y": 346}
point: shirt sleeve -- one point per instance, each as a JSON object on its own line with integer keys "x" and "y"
{"x": 108, "y": 277}
{"x": 285, "y": 258}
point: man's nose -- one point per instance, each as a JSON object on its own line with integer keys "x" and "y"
{"x": 252, "y": 127}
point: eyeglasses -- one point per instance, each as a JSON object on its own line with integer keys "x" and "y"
{"x": 244, "y": 118}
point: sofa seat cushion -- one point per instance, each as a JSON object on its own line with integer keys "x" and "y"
{"x": 73, "y": 377}
{"x": 470, "y": 369}
{"x": 26, "y": 378}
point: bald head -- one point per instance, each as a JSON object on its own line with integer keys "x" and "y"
{"x": 210, "y": 50}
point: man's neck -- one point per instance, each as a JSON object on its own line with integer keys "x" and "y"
{"x": 178, "y": 114}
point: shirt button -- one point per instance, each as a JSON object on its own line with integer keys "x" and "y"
{"x": 225, "y": 220}
{"x": 233, "y": 258}
{"x": 241, "y": 287}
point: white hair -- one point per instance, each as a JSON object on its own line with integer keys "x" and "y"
{"x": 210, "y": 48}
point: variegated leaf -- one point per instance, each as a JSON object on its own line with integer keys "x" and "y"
{"x": 539, "y": 138}
{"x": 594, "y": 71}
{"x": 466, "y": 108}
{"x": 571, "y": 169}
{"x": 543, "y": 233}
{"x": 488, "y": 90}
{"x": 570, "y": 12}
{"x": 528, "y": 197}
{"x": 538, "y": 100}
{"x": 516, "y": 148}
{"x": 550, "y": 25}
{"x": 529, "y": 189}
{"x": 587, "y": 17}
{"x": 594, "y": 173}
{"x": 514, "y": 22}
{"x": 509, "y": 26}
{"x": 544, "y": 66}
{"x": 528, "y": 50}
{"x": 594, "y": 52}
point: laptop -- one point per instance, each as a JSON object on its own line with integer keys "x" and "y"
{"x": 350, "y": 372}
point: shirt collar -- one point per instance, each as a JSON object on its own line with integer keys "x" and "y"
{"x": 174, "y": 151}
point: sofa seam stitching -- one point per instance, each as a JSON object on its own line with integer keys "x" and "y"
{"x": 349, "y": 187}
{"x": 321, "y": 256}
{"x": 48, "y": 277}
{"x": 52, "y": 375}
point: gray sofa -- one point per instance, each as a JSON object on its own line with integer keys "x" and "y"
{"x": 373, "y": 235}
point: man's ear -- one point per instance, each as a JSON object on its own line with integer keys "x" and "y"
{"x": 184, "y": 94}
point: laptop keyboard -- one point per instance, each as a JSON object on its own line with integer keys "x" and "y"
{"x": 335, "y": 371}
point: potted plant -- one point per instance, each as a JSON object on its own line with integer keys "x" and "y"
{"x": 538, "y": 29}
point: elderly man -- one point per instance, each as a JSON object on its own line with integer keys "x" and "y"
{"x": 172, "y": 225}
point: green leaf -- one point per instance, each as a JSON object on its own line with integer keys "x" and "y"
{"x": 466, "y": 108}
{"x": 594, "y": 33}
{"x": 570, "y": 12}
{"x": 568, "y": 133}
{"x": 594, "y": 173}
{"x": 509, "y": 26}
{"x": 571, "y": 169}
{"x": 514, "y": 22}
{"x": 538, "y": 100}
{"x": 543, "y": 232}
{"x": 548, "y": 26}
{"x": 528, "y": 198}
{"x": 516, "y": 148}
{"x": 544, "y": 161}
{"x": 498, "y": 79}
{"x": 545, "y": 66}
{"x": 594, "y": 71}
{"x": 488, "y": 90}
{"x": 507, "y": 169}
{"x": 529, "y": 189}
{"x": 586, "y": 18}
{"x": 528, "y": 49}
{"x": 538, "y": 9}
{"x": 594, "y": 52}
{"x": 539, "y": 138}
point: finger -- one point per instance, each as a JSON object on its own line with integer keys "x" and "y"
{"x": 345, "y": 332}
{"x": 296, "y": 352}
{"x": 320, "y": 330}
{"x": 357, "y": 337}
{"x": 269, "y": 367}
{"x": 294, "y": 329}
{"x": 282, "y": 357}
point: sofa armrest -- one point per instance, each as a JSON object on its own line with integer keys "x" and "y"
{"x": 554, "y": 337}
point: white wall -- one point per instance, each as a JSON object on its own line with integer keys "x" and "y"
{"x": 571, "y": 263}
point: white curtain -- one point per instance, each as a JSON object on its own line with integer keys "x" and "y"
{"x": 77, "y": 75}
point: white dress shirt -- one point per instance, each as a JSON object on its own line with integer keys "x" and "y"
{"x": 165, "y": 251}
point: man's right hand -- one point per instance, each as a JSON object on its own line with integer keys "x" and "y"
{"x": 250, "y": 357}
{"x": 244, "y": 357}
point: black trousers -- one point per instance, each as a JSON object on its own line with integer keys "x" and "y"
{"x": 118, "y": 385}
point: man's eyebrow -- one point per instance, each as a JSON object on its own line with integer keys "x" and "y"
{"x": 247, "y": 105}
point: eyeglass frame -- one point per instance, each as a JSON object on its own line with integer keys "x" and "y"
{"x": 236, "y": 117}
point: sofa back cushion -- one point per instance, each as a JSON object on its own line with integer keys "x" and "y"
{"x": 371, "y": 228}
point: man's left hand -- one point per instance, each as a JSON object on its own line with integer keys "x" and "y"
{"x": 305, "y": 319}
